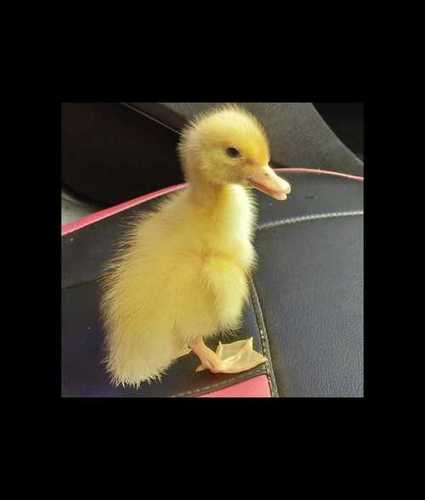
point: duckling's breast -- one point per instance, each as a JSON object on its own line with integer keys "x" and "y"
{"x": 227, "y": 229}
{"x": 186, "y": 230}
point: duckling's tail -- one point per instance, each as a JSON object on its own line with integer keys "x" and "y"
{"x": 136, "y": 358}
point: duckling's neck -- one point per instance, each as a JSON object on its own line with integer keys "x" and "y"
{"x": 205, "y": 193}
{"x": 227, "y": 211}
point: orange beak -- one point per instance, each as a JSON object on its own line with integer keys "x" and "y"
{"x": 268, "y": 182}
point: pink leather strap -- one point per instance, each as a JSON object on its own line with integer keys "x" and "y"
{"x": 102, "y": 214}
{"x": 319, "y": 171}
{"x": 256, "y": 387}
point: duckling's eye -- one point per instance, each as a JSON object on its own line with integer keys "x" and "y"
{"x": 232, "y": 152}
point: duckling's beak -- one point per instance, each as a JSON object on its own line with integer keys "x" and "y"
{"x": 269, "y": 183}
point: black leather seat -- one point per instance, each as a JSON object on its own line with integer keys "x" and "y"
{"x": 306, "y": 305}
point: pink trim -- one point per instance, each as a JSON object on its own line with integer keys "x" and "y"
{"x": 318, "y": 171}
{"x": 257, "y": 387}
{"x": 102, "y": 214}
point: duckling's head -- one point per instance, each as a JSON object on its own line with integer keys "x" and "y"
{"x": 229, "y": 146}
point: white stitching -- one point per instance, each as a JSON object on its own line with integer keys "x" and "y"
{"x": 305, "y": 218}
{"x": 264, "y": 340}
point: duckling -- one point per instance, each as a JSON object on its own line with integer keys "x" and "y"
{"x": 181, "y": 274}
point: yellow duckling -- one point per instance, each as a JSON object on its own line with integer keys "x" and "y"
{"x": 182, "y": 272}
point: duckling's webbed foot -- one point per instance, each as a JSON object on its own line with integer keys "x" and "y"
{"x": 229, "y": 358}
{"x": 209, "y": 359}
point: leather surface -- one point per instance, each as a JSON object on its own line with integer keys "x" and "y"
{"x": 347, "y": 121}
{"x": 308, "y": 288}
{"x": 297, "y": 133}
{"x": 310, "y": 285}
{"x": 111, "y": 154}
{"x": 255, "y": 387}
